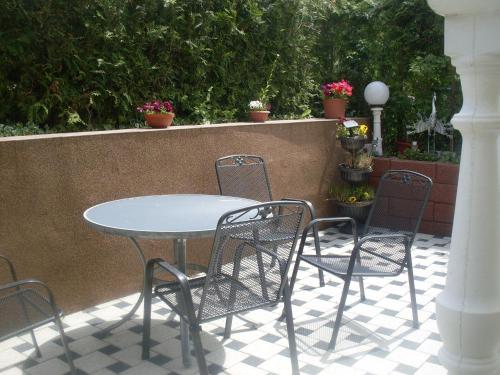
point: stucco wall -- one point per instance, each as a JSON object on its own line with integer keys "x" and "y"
{"x": 48, "y": 181}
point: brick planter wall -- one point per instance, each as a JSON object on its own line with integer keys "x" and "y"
{"x": 438, "y": 217}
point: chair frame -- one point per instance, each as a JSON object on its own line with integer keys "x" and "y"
{"x": 194, "y": 322}
{"x": 355, "y": 256}
{"x": 239, "y": 159}
{"x": 19, "y": 286}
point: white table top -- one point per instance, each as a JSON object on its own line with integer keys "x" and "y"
{"x": 163, "y": 216}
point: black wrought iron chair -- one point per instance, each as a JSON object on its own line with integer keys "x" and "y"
{"x": 246, "y": 176}
{"x": 26, "y": 305}
{"x": 240, "y": 276}
{"x": 384, "y": 249}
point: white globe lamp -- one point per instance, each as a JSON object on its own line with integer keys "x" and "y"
{"x": 376, "y": 95}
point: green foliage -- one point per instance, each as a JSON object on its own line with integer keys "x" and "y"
{"x": 443, "y": 157}
{"x": 86, "y": 65}
{"x": 352, "y": 193}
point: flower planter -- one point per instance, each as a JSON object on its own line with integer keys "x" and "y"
{"x": 334, "y": 108}
{"x": 358, "y": 211}
{"x": 159, "y": 120}
{"x": 353, "y": 144}
{"x": 259, "y": 116}
{"x": 354, "y": 174}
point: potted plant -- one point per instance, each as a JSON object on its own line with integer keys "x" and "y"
{"x": 259, "y": 112}
{"x": 353, "y": 200}
{"x": 335, "y": 96}
{"x": 358, "y": 163}
{"x": 260, "y": 108}
{"x": 158, "y": 114}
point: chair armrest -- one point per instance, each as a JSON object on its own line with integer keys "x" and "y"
{"x": 331, "y": 220}
{"x": 309, "y": 205}
{"x": 30, "y": 282}
{"x": 11, "y": 267}
{"x": 181, "y": 278}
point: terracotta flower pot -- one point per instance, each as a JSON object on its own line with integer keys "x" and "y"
{"x": 259, "y": 116}
{"x": 334, "y": 108}
{"x": 159, "y": 120}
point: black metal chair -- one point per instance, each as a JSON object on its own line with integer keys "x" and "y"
{"x": 246, "y": 176}
{"x": 240, "y": 274}
{"x": 26, "y": 305}
{"x": 384, "y": 249}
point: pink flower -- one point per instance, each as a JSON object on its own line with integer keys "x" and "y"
{"x": 340, "y": 90}
{"x": 156, "y": 106}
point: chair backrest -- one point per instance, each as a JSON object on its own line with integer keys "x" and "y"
{"x": 251, "y": 255}
{"x": 399, "y": 204}
{"x": 243, "y": 176}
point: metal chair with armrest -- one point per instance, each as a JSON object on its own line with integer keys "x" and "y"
{"x": 384, "y": 249}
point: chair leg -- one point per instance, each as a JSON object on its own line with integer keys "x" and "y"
{"x": 146, "y": 324}
{"x": 35, "y": 344}
{"x": 198, "y": 348}
{"x": 340, "y": 313}
{"x": 413, "y": 297}
{"x": 290, "y": 329}
{"x": 227, "y": 328}
{"x": 292, "y": 283}
{"x": 318, "y": 253}
{"x": 362, "y": 296}
{"x": 65, "y": 345}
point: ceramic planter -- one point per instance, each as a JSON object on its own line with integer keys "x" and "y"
{"x": 358, "y": 211}
{"x": 259, "y": 116}
{"x": 354, "y": 174}
{"x": 353, "y": 144}
{"x": 334, "y": 108}
{"x": 159, "y": 120}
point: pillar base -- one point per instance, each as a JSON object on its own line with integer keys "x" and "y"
{"x": 472, "y": 349}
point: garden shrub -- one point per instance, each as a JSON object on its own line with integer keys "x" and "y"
{"x": 87, "y": 65}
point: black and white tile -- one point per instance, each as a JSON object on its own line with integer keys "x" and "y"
{"x": 376, "y": 338}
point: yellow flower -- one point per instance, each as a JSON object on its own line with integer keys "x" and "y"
{"x": 366, "y": 196}
{"x": 363, "y": 129}
{"x": 351, "y": 199}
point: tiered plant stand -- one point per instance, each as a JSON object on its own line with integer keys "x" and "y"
{"x": 354, "y": 176}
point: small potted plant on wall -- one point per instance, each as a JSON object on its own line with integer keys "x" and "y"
{"x": 335, "y": 97}
{"x": 260, "y": 108}
{"x": 158, "y": 114}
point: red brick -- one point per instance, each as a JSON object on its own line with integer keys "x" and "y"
{"x": 446, "y": 173}
{"x": 444, "y": 212}
{"x": 442, "y": 193}
{"x": 380, "y": 165}
{"x": 373, "y": 181}
{"x": 424, "y": 167}
{"x": 429, "y": 212}
{"x": 439, "y": 229}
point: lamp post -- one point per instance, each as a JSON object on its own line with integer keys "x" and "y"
{"x": 376, "y": 95}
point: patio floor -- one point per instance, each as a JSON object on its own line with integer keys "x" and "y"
{"x": 377, "y": 338}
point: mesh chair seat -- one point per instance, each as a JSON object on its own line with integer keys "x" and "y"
{"x": 217, "y": 301}
{"x": 338, "y": 265}
{"x": 23, "y": 308}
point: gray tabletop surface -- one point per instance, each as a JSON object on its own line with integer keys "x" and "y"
{"x": 163, "y": 216}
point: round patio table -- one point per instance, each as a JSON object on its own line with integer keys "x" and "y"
{"x": 177, "y": 217}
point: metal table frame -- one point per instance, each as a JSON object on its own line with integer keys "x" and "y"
{"x": 178, "y": 235}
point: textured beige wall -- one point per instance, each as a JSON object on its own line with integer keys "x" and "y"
{"x": 48, "y": 181}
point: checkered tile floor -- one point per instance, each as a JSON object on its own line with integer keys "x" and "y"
{"x": 376, "y": 338}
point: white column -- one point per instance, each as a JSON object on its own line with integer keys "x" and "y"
{"x": 377, "y": 131}
{"x": 468, "y": 309}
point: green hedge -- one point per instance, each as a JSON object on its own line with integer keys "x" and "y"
{"x": 86, "y": 65}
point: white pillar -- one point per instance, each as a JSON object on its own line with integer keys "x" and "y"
{"x": 377, "y": 132}
{"x": 468, "y": 309}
